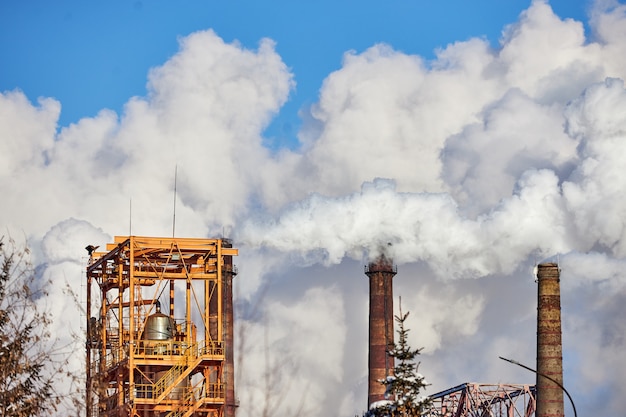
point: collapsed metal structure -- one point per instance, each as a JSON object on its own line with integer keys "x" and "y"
{"x": 489, "y": 400}
{"x": 142, "y": 362}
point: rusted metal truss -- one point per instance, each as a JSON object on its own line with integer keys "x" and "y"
{"x": 473, "y": 399}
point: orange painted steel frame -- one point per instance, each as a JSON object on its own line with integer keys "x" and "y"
{"x": 182, "y": 368}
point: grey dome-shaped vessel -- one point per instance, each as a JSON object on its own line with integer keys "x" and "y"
{"x": 159, "y": 326}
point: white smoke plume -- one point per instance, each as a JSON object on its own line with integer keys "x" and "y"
{"x": 476, "y": 164}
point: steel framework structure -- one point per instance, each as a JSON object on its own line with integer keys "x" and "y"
{"x": 484, "y": 400}
{"x": 141, "y": 362}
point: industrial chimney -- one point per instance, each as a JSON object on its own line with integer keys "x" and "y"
{"x": 381, "y": 365}
{"x": 228, "y": 273}
{"x": 549, "y": 345}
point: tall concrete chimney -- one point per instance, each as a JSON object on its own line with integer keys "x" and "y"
{"x": 380, "y": 365}
{"x": 549, "y": 345}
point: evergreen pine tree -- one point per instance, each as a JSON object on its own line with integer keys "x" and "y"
{"x": 405, "y": 386}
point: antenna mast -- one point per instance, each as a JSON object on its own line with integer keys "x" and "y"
{"x": 174, "y": 216}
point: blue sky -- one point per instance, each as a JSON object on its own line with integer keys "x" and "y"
{"x": 91, "y": 55}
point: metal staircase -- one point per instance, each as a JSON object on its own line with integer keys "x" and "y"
{"x": 195, "y": 397}
{"x": 188, "y": 361}
{"x": 169, "y": 381}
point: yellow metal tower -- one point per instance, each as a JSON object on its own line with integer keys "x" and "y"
{"x": 149, "y": 353}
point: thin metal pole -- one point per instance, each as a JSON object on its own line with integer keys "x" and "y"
{"x": 130, "y": 217}
{"x": 174, "y": 216}
{"x": 545, "y": 376}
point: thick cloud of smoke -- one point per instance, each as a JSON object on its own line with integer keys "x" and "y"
{"x": 424, "y": 227}
{"x": 476, "y": 164}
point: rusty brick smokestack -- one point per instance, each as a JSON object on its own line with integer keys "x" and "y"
{"x": 549, "y": 345}
{"x": 380, "y": 365}
{"x": 228, "y": 274}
